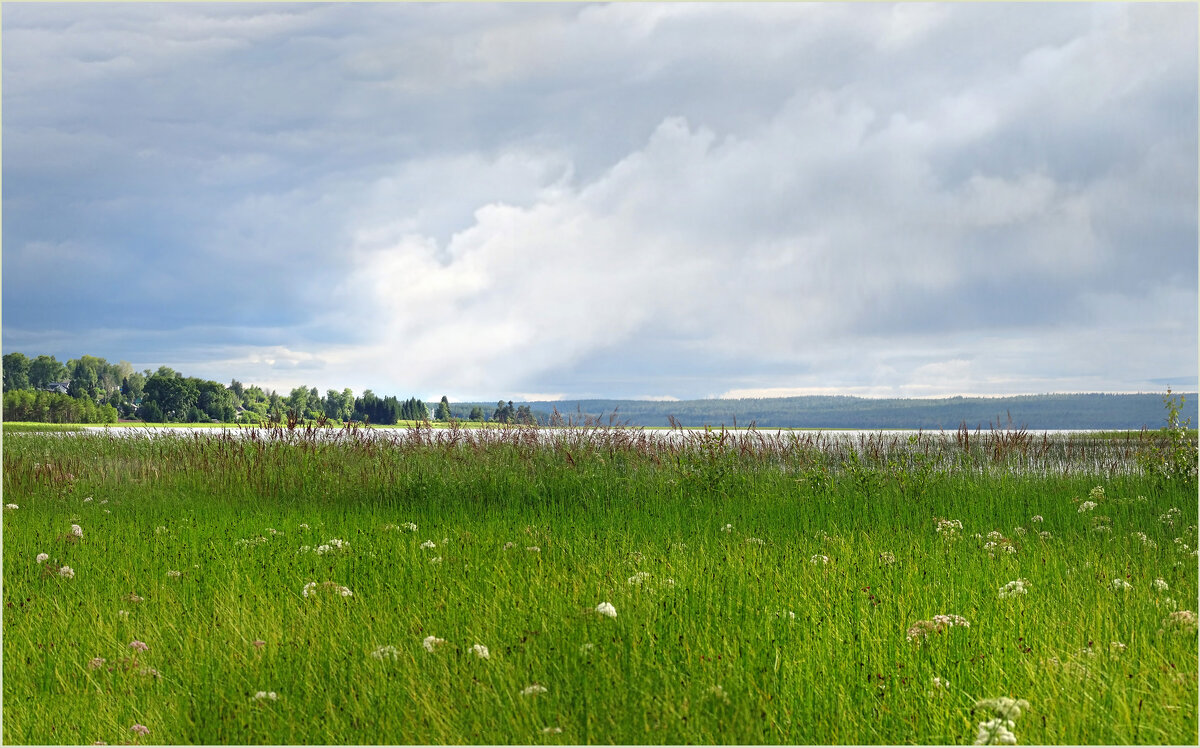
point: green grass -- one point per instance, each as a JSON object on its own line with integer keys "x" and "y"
{"x": 804, "y": 652}
{"x": 24, "y": 427}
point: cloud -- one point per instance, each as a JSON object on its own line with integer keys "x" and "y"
{"x": 673, "y": 199}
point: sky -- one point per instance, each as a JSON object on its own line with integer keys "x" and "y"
{"x": 659, "y": 201}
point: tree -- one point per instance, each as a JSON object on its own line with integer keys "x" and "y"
{"x": 443, "y": 410}
{"x": 16, "y": 372}
{"x": 297, "y": 401}
{"x": 476, "y": 413}
{"x": 174, "y": 396}
{"x": 45, "y": 369}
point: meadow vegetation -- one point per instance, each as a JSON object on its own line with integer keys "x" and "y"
{"x": 598, "y": 585}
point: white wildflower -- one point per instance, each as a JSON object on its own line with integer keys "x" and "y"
{"x": 1121, "y": 584}
{"x": 96, "y": 663}
{"x": 87, "y": 499}
{"x": 77, "y": 531}
{"x": 606, "y": 609}
{"x": 1145, "y": 539}
{"x": 1161, "y": 585}
{"x": 1036, "y": 518}
{"x": 435, "y": 560}
{"x": 66, "y": 572}
{"x": 304, "y": 549}
{"x": 387, "y": 651}
{"x": 1116, "y": 647}
{"x": 174, "y": 574}
{"x": 756, "y": 541}
{"x": 940, "y": 682}
{"x": 995, "y": 535}
{"x": 948, "y": 528}
{"x": 323, "y": 549}
{"x": 533, "y": 549}
{"x": 266, "y": 696}
{"x": 123, "y": 613}
{"x": 272, "y": 531}
{"x": 887, "y": 557}
{"x": 409, "y": 526}
{"x": 1020, "y": 531}
{"x": 432, "y": 642}
{"x": 533, "y": 690}
{"x": 1015, "y": 587}
{"x": 1086, "y": 506}
{"x": 1171, "y": 515}
{"x": 719, "y": 694}
{"x": 1096, "y": 494}
{"x": 11, "y": 506}
{"x": 338, "y": 543}
{"x": 819, "y": 559}
{"x": 639, "y": 578}
{"x": 727, "y": 528}
{"x": 509, "y": 545}
{"x": 303, "y": 525}
{"x": 428, "y": 545}
{"x": 103, "y": 501}
{"x": 996, "y": 731}
{"x": 481, "y": 652}
{"x": 43, "y": 557}
{"x": 1044, "y": 535}
{"x": 160, "y": 530}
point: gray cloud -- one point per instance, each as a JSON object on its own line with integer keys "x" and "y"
{"x": 626, "y": 199}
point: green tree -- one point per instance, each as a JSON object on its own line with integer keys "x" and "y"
{"x": 443, "y": 410}
{"x": 16, "y": 371}
{"x": 45, "y": 369}
{"x": 476, "y": 414}
{"x": 173, "y": 395}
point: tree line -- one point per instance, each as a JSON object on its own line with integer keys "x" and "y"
{"x": 101, "y": 392}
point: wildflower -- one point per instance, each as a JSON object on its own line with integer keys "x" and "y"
{"x": 727, "y": 528}
{"x": 387, "y": 651}
{"x": 1160, "y": 585}
{"x": 266, "y": 696}
{"x": 1020, "y": 531}
{"x": 11, "y": 506}
{"x": 948, "y": 528}
{"x": 509, "y": 545}
{"x": 533, "y": 549}
{"x": 174, "y": 574}
{"x": 77, "y": 531}
{"x": 819, "y": 559}
{"x": 995, "y": 535}
{"x": 133, "y": 597}
{"x": 585, "y": 648}
{"x": 272, "y": 531}
{"x": 1044, "y": 535}
{"x": 138, "y": 646}
{"x": 718, "y": 693}
{"x": 996, "y": 731}
{"x": 1086, "y": 506}
{"x": 123, "y": 613}
{"x": 148, "y": 672}
{"x": 160, "y": 530}
{"x": 311, "y": 589}
{"x": 1171, "y": 515}
{"x": 106, "y": 511}
{"x": 887, "y": 557}
{"x": 303, "y": 525}
{"x": 1016, "y": 587}
{"x": 922, "y": 629}
{"x": 409, "y": 526}
{"x": 66, "y": 572}
{"x": 338, "y": 543}
{"x": 481, "y": 652}
{"x": 43, "y": 558}
{"x": 940, "y": 683}
{"x": 96, "y": 663}
{"x": 1121, "y": 584}
{"x": 87, "y": 499}
{"x": 639, "y": 578}
{"x": 435, "y": 560}
{"x": 103, "y": 501}
{"x": 428, "y": 545}
{"x": 432, "y": 642}
{"x": 533, "y": 690}
{"x": 140, "y": 729}
{"x": 756, "y": 541}
{"x": 606, "y": 609}
{"x": 1146, "y": 541}
{"x": 1183, "y": 621}
{"x": 304, "y": 549}
{"x": 1116, "y": 646}
{"x": 323, "y": 549}
{"x": 1036, "y": 518}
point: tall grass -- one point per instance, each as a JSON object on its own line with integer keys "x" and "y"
{"x": 731, "y": 626}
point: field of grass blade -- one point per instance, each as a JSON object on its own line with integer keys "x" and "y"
{"x": 288, "y": 587}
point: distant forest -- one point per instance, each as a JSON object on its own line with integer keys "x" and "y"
{"x": 1062, "y": 411}
{"x": 92, "y": 390}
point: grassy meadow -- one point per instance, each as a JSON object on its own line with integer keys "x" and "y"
{"x": 301, "y": 587}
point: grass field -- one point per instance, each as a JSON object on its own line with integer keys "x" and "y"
{"x": 286, "y": 589}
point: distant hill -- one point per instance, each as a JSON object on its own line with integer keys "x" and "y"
{"x": 1035, "y": 412}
